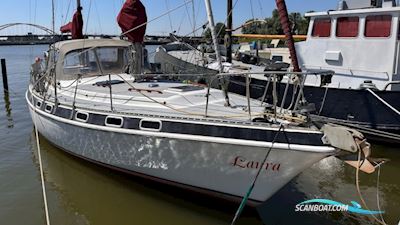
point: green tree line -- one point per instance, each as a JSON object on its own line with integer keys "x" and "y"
{"x": 272, "y": 25}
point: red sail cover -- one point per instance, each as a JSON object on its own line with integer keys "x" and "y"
{"x": 75, "y": 27}
{"x": 132, "y": 15}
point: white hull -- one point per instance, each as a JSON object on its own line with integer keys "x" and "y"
{"x": 210, "y": 166}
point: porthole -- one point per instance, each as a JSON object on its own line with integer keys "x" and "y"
{"x": 48, "y": 108}
{"x": 150, "y": 125}
{"x": 112, "y": 121}
{"x": 38, "y": 104}
{"x": 82, "y": 116}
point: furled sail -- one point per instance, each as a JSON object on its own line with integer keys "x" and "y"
{"x": 133, "y": 17}
{"x": 76, "y": 26}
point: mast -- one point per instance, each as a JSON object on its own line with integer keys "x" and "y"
{"x": 78, "y": 4}
{"x": 228, "y": 35}
{"x": 53, "y": 26}
{"x": 222, "y": 80}
{"x": 285, "y": 22}
{"x": 213, "y": 33}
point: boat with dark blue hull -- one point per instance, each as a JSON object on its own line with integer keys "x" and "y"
{"x": 354, "y": 108}
{"x": 358, "y": 43}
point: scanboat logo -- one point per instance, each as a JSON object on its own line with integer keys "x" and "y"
{"x": 325, "y": 205}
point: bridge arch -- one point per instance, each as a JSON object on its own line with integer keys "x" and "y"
{"x": 45, "y": 29}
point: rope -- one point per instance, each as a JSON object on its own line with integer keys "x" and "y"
{"x": 323, "y": 101}
{"x": 41, "y": 171}
{"x": 377, "y": 192}
{"x": 384, "y": 102}
{"x": 359, "y": 190}
{"x": 246, "y": 197}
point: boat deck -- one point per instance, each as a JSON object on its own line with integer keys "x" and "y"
{"x": 158, "y": 98}
{"x": 195, "y": 57}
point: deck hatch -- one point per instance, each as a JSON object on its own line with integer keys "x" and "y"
{"x": 186, "y": 88}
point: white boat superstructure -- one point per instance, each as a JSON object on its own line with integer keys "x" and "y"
{"x": 359, "y": 41}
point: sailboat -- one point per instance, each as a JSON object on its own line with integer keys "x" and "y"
{"x": 89, "y": 103}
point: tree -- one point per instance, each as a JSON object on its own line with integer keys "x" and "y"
{"x": 219, "y": 29}
{"x": 273, "y": 25}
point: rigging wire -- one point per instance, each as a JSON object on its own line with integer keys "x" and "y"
{"x": 98, "y": 17}
{"x": 66, "y": 15}
{"x": 226, "y": 19}
{"x": 88, "y": 16}
{"x": 169, "y": 15}
{"x": 34, "y": 14}
{"x": 252, "y": 10}
{"x": 180, "y": 24}
{"x": 154, "y": 19}
{"x": 261, "y": 9}
{"x": 188, "y": 15}
{"x": 194, "y": 18}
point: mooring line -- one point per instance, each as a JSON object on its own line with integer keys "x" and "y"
{"x": 246, "y": 197}
{"x": 41, "y": 171}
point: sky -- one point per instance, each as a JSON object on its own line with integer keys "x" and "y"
{"x": 100, "y": 15}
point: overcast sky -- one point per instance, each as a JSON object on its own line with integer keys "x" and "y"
{"x": 100, "y": 15}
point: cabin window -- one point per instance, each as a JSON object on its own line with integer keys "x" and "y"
{"x": 378, "y": 26}
{"x": 85, "y": 61}
{"x": 322, "y": 27}
{"x": 347, "y": 27}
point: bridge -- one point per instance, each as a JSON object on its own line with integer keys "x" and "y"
{"x": 47, "y": 36}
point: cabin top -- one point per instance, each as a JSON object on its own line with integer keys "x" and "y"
{"x": 88, "y": 57}
{"x": 353, "y": 11}
{"x": 70, "y": 45}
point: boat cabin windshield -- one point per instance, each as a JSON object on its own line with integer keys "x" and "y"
{"x": 95, "y": 61}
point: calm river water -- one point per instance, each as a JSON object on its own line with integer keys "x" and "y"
{"x": 82, "y": 193}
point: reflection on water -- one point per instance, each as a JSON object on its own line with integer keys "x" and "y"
{"x": 7, "y": 106}
{"x": 89, "y": 194}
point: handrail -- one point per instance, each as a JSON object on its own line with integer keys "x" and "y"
{"x": 390, "y": 83}
{"x": 297, "y": 95}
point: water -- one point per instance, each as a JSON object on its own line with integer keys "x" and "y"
{"x": 82, "y": 193}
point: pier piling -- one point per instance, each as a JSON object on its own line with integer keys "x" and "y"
{"x": 4, "y": 72}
